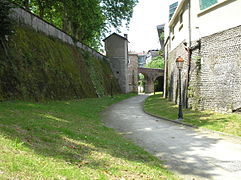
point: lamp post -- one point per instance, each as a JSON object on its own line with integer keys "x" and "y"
{"x": 179, "y": 63}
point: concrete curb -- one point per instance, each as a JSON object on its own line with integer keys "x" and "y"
{"x": 192, "y": 126}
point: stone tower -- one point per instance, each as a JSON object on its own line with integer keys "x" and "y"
{"x": 116, "y": 48}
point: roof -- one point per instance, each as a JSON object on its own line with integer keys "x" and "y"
{"x": 115, "y": 34}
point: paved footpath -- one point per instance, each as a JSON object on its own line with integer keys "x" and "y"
{"x": 188, "y": 152}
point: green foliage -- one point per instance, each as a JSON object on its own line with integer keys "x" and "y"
{"x": 162, "y": 36}
{"x": 156, "y": 62}
{"x": 40, "y": 67}
{"x": 101, "y": 78}
{"x": 141, "y": 76}
{"x": 86, "y": 20}
{"x": 117, "y": 11}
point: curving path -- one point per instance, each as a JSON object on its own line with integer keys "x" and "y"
{"x": 190, "y": 153}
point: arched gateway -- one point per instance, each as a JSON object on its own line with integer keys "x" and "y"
{"x": 125, "y": 67}
{"x": 150, "y": 75}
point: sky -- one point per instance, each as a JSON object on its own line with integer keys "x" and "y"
{"x": 142, "y": 33}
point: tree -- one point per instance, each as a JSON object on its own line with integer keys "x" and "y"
{"x": 6, "y": 22}
{"x": 116, "y": 11}
{"x": 86, "y": 20}
{"x": 156, "y": 62}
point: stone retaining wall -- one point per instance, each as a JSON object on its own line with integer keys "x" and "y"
{"x": 38, "y": 24}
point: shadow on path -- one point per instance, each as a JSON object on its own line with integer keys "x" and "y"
{"x": 185, "y": 150}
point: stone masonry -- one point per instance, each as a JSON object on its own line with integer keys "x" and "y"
{"x": 116, "y": 48}
{"x": 133, "y": 72}
{"x": 22, "y": 16}
{"x": 150, "y": 75}
{"x": 215, "y": 76}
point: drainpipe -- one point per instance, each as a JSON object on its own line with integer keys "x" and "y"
{"x": 189, "y": 51}
{"x": 166, "y": 51}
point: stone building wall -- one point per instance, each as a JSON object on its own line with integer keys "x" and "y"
{"x": 133, "y": 72}
{"x": 116, "y": 48}
{"x": 172, "y": 74}
{"x": 219, "y": 74}
{"x": 215, "y": 76}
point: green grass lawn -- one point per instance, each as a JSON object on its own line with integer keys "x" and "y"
{"x": 67, "y": 140}
{"x": 227, "y": 123}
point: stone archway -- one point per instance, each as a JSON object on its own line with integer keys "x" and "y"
{"x": 150, "y": 75}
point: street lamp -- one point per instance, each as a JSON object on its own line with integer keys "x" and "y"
{"x": 179, "y": 63}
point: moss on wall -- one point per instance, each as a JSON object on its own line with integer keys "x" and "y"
{"x": 38, "y": 67}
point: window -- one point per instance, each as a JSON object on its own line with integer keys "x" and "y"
{"x": 129, "y": 60}
{"x": 207, "y": 3}
{"x": 172, "y": 9}
{"x": 172, "y": 30}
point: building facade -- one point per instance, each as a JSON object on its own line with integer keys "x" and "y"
{"x": 207, "y": 34}
{"x": 142, "y": 59}
{"x": 160, "y": 31}
{"x": 116, "y": 48}
{"x": 123, "y": 64}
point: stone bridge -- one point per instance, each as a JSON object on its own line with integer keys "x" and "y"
{"x": 150, "y": 75}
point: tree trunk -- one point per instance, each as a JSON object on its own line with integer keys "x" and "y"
{"x": 26, "y": 4}
{"x": 41, "y": 12}
{"x": 4, "y": 46}
{"x": 41, "y": 9}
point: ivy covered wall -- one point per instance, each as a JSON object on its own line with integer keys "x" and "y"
{"x": 39, "y": 67}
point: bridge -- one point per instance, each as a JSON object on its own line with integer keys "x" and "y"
{"x": 150, "y": 75}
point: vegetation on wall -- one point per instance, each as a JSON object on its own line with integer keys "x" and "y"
{"x": 86, "y": 20}
{"x": 39, "y": 67}
{"x": 100, "y": 74}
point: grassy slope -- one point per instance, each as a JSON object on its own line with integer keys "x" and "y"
{"x": 228, "y": 123}
{"x": 67, "y": 140}
{"x": 39, "y": 67}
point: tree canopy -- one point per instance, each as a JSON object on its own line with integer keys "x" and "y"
{"x": 86, "y": 20}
